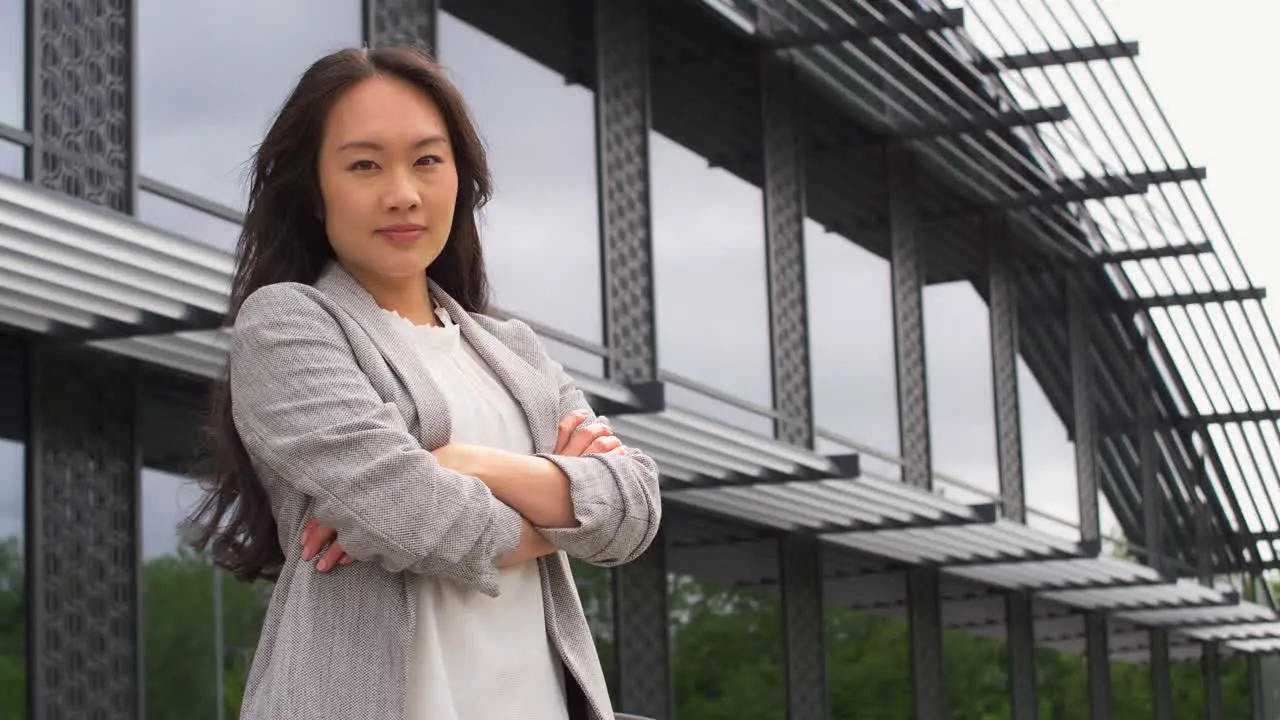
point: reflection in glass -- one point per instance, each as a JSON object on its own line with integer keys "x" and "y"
{"x": 13, "y": 65}
{"x": 204, "y": 104}
{"x": 13, "y": 614}
{"x": 962, "y": 427}
{"x": 851, "y": 340}
{"x": 12, "y": 160}
{"x": 709, "y": 273}
{"x": 178, "y": 605}
{"x": 541, "y": 230}
{"x": 1048, "y": 461}
{"x": 165, "y": 214}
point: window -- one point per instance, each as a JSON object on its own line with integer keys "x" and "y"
{"x": 541, "y": 230}
{"x": 11, "y": 159}
{"x": 13, "y": 63}
{"x": 210, "y": 78}
{"x": 1048, "y": 461}
{"x": 962, "y": 427}
{"x": 13, "y": 613}
{"x": 711, "y": 288}
{"x": 851, "y": 348}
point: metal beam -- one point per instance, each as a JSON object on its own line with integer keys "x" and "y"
{"x": 1161, "y": 680}
{"x": 407, "y": 22}
{"x": 868, "y": 28}
{"x": 1062, "y": 56}
{"x": 1020, "y": 635}
{"x": 977, "y": 124}
{"x": 1152, "y": 253}
{"x": 1080, "y": 329}
{"x": 1199, "y": 298}
{"x": 193, "y": 318}
{"x": 1099, "y": 187}
{"x": 1003, "y": 320}
{"x": 924, "y": 610}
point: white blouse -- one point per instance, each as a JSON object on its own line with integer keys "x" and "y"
{"x": 477, "y": 657}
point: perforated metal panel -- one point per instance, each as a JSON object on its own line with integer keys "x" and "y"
{"x": 908, "y": 319}
{"x": 1022, "y": 655}
{"x": 924, "y": 598}
{"x": 81, "y": 99}
{"x": 800, "y": 560}
{"x": 83, "y": 479}
{"x": 622, "y": 135}
{"x": 640, "y": 612}
{"x": 1098, "y": 665}
{"x": 1080, "y": 324}
{"x": 1002, "y": 311}
{"x": 409, "y": 22}
{"x": 784, "y": 239}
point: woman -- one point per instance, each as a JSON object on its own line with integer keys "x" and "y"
{"x": 444, "y": 461}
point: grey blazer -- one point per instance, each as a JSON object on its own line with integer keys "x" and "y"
{"x": 338, "y": 418}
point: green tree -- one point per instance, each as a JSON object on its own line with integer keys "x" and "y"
{"x": 13, "y": 630}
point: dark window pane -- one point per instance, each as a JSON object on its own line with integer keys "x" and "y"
{"x": 541, "y": 231}
{"x": 12, "y": 160}
{"x": 206, "y": 94}
{"x": 709, "y": 273}
{"x": 13, "y": 62}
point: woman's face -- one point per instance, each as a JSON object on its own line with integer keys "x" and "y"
{"x": 387, "y": 180}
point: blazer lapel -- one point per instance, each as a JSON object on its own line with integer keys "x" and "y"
{"x": 532, "y": 392}
{"x": 435, "y": 428}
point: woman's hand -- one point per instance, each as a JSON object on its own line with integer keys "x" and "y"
{"x": 593, "y": 439}
{"x": 314, "y": 537}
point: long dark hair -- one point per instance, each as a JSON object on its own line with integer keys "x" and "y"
{"x": 284, "y": 240}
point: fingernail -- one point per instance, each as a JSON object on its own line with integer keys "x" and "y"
{"x": 323, "y": 566}
{"x": 347, "y": 561}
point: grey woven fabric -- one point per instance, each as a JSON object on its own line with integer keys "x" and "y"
{"x": 339, "y": 417}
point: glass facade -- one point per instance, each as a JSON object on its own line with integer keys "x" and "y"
{"x": 12, "y": 160}
{"x": 543, "y": 221}
{"x": 851, "y": 340}
{"x": 200, "y": 626}
{"x": 957, "y": 351}
{"x": 13, "y": 579}
{"x": 13, "y": 63}
{"x": 203, "y": 108}
{"x": 710, "y": 282}
{"x": 1048, "y": 461}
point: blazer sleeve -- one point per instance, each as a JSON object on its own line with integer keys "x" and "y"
{"x": 615, "y": 498}
{"x": 305, "y": 410}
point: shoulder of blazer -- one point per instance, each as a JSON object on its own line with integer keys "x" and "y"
{"x": 276, "y": 296}
{"x": 516, "y": 335}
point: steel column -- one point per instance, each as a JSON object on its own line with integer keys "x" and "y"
{"x": 626, "y": 256}
{"x": 83, "y": 473}
{"x": 1020, "y": 625}
{"x": 80, "y": 99}
{"x": 1003, "y": 319}
{"x": 1211, "y": 667}
{"x": 1148, "y": 472}
{"x": 784, "y": 212}
{"x": 1084, "y": 419}
{"x": 640, "y": 619}
{"x": 1098, "y": 661}
{"x": 622, "y": 151}
{"x": 1161, "y": 681}
{"x": 1264, "y": 683}
{"x": 402, "y": 22}
{"x": 924, "y": 609}
{"x": 803, "y": 626}
{"x": 907, "y": 270}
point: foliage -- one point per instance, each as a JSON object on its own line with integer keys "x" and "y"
{"x": 725, "y": 642}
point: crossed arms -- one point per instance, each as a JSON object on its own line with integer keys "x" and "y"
{"x": 314, "y": 424}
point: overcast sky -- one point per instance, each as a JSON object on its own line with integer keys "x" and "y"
{"x": 204, "y": 106}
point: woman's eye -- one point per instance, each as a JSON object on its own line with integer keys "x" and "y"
{"x": 363, "y": 165}
{"x": 430, "y": 160}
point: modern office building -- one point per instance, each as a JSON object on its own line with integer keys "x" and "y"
{"x": 920, "y": 307}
